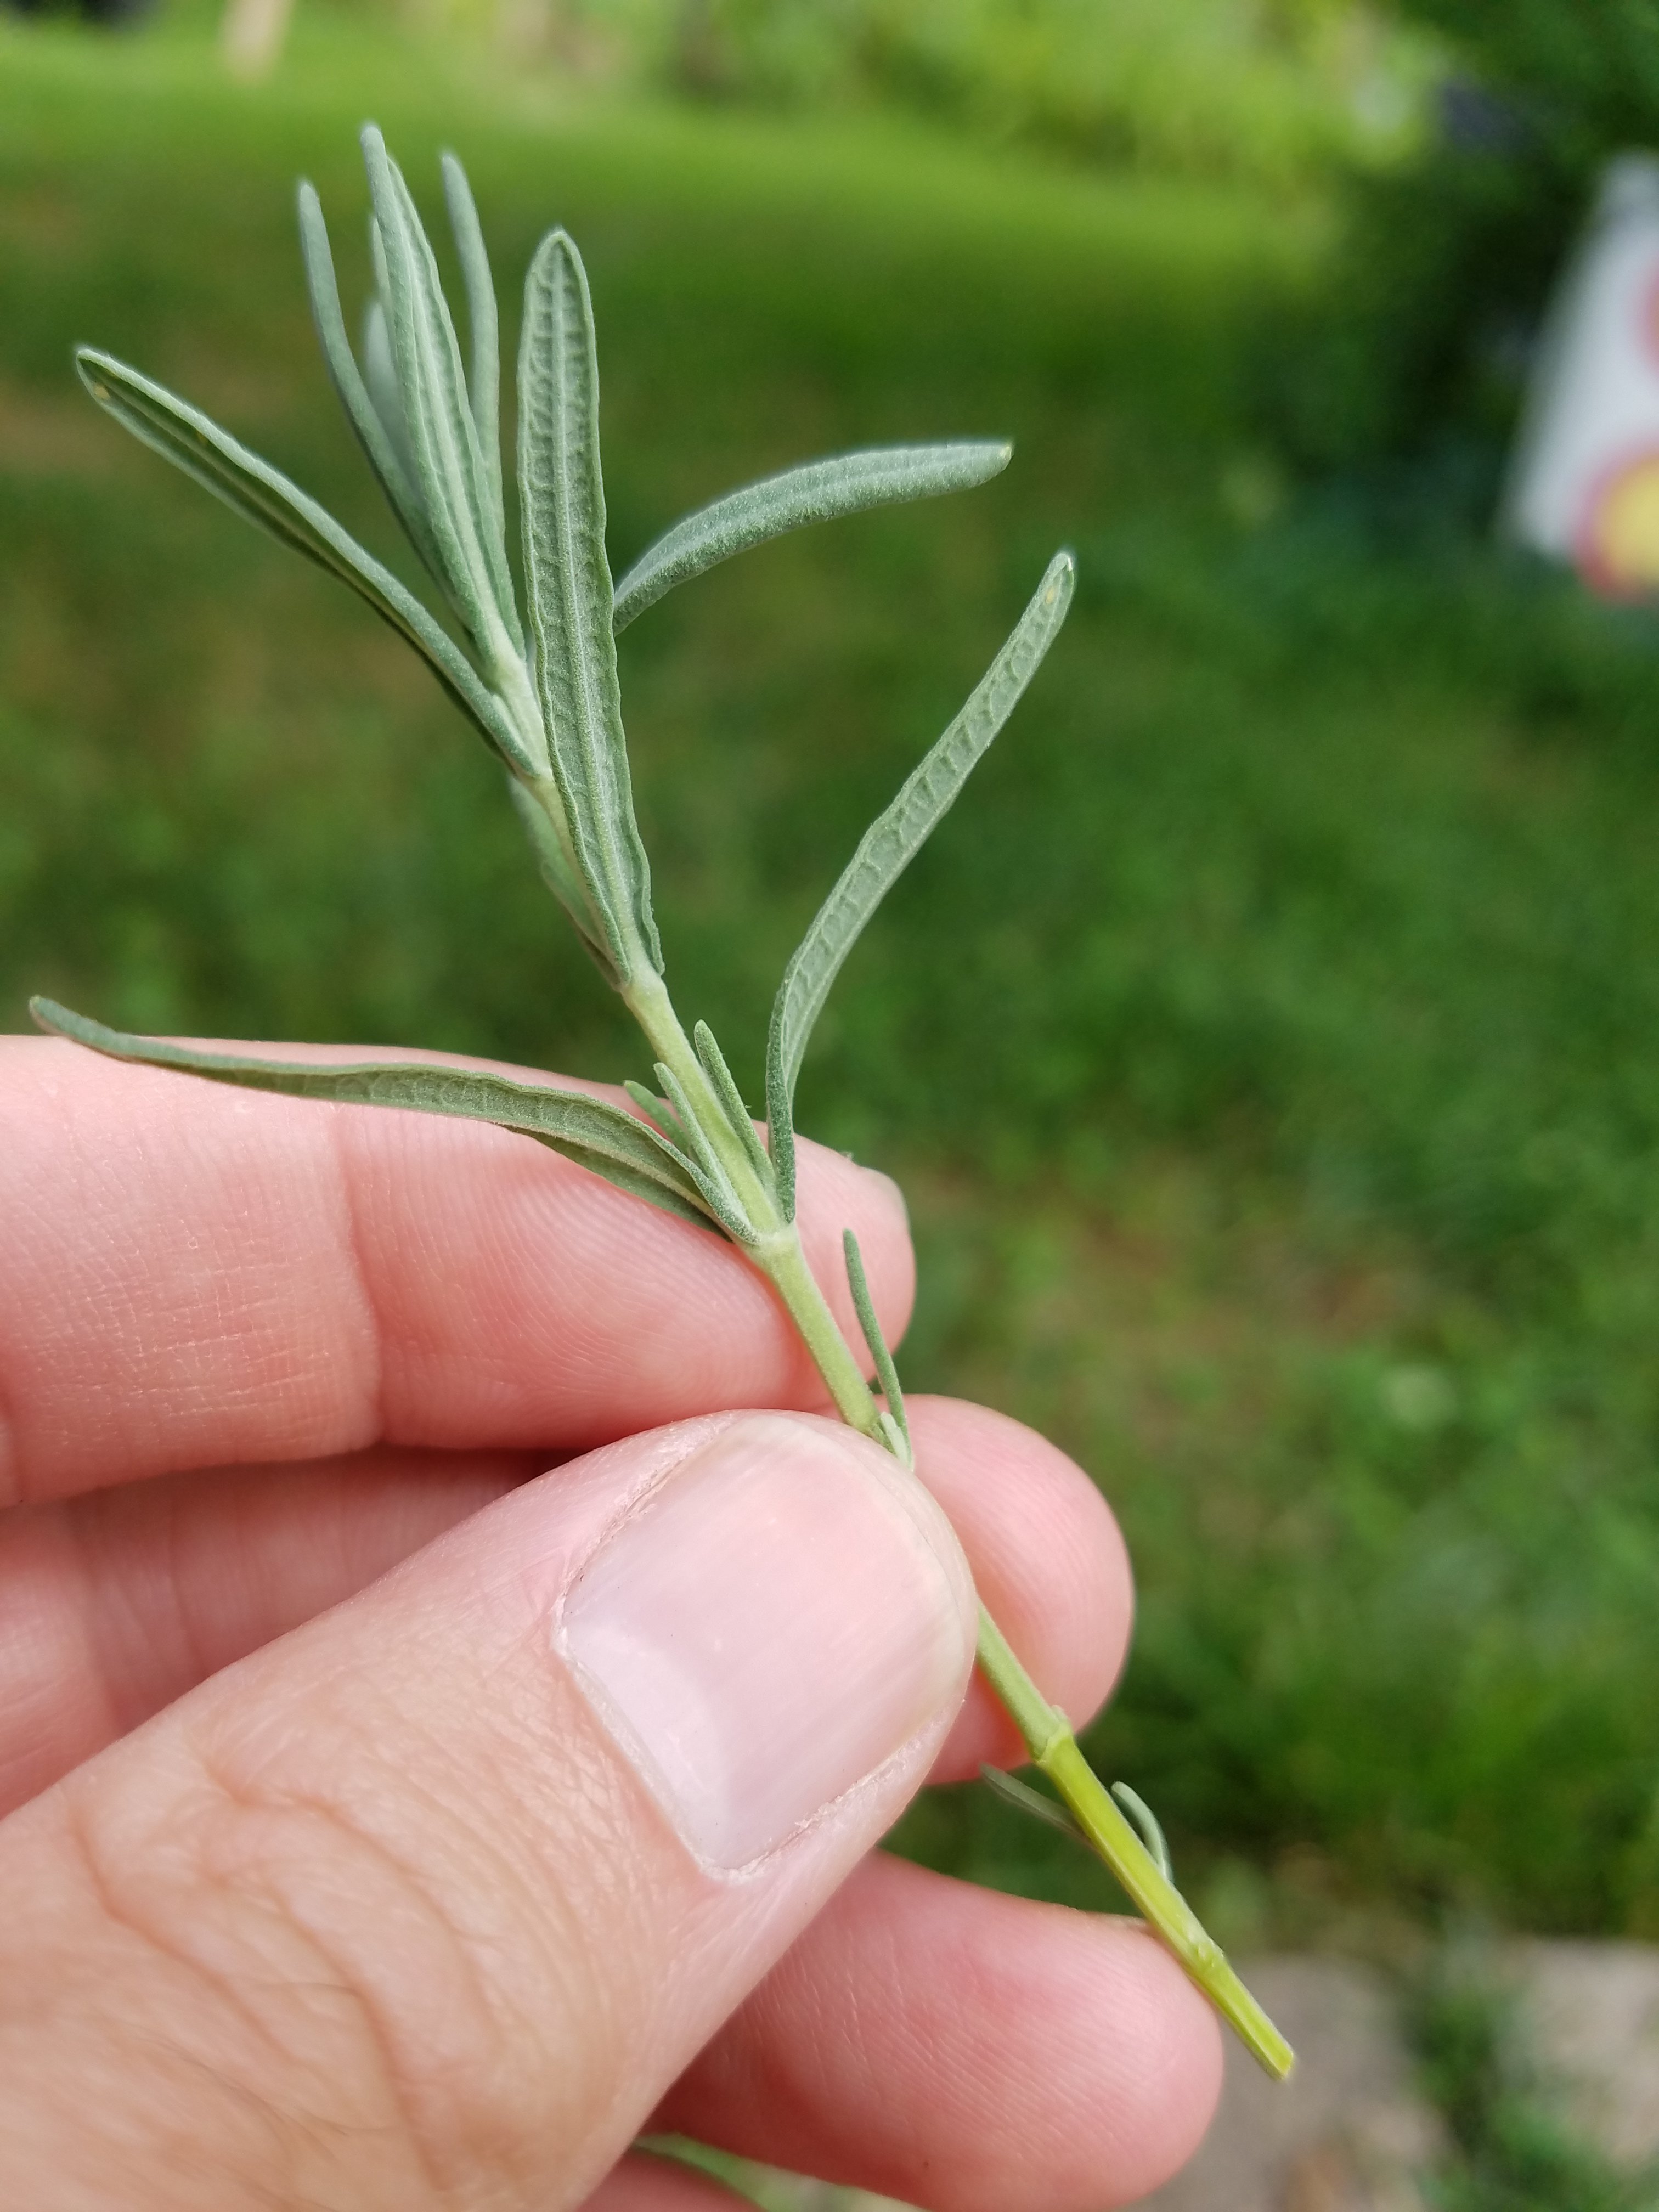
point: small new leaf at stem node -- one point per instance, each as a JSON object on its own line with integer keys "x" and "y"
{"x": 897, "y": 1440}
{"x": 1150, "y": 1833}
{"x": 713, "y": 1178}
{"x": 886, "y": 1373}
{"x": 1014, "y": 1791}
{"x": 714, "y": 1067}
{"x": 658, "y": 1110}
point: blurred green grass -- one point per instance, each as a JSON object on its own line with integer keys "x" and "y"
{"x": 1269, "y": 1042}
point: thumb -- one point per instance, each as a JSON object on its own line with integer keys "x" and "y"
{"x": 429, "y": 1903}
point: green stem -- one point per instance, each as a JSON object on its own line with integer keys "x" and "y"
{"x": 1047, "y": 1732}
{"x": 1055, "y": 1752}
{"x": 784, "y": 1266}
{"x": 647, "y": 998}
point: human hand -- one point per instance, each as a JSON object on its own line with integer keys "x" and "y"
{"x": 385, "y": 1827}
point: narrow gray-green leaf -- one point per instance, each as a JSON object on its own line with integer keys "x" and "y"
{"x": 817, "y": 491}
{"x": 725, "y": 1083}
{"x": 661, "y": 1114}
{"x": 483, "y": 382}
{"x": 895, "y": 836}
{"x": 382, "y": 273}
{"x": 589, "y": 1131}
{"x": 375, "y": 433}
{"x": 559, "y": 871}
{"x": 886, "y": 1373}
{"x": 263, "y": 496}
{"x": 380, "y": 376}
{"x": 562, "y": 493}
{"x": 449, "y": 460}
{"x": 780, "y": 1120}
{"x": 706, "y": 1167}
{"x": 381, "y": 367}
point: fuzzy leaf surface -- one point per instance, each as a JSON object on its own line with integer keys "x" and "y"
{"x": 590, "y": 1132}
{"x": 562, "y": 493}
{"x": 894, "y": 838}
{"x": 454, "y": 479}
{"x": 556, "y": 873}
{"x": 374, "y": 426}
{"x": 817, "y": 491}
{"x": 483, "y": 380}
{"x": 263, "y": 496}
{"x": 725, "y": 1089}
{"x": 380, "y": 376}
{"x": 880, "y": 1351}
{"x": 705, "y": 1165}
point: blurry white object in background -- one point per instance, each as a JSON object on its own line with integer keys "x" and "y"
{"x": 252, "y": 33}
{"x": 1585, "y": 480}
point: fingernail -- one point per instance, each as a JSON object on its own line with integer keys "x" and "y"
{"x": 777, "y": 1620}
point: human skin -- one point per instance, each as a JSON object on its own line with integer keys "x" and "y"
{"x": 391, "y": 1821}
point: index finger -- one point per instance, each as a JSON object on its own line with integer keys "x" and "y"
{"x": 196, "y": 1277}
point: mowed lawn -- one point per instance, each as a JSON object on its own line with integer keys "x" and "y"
{"x": 1269, "y": 1042}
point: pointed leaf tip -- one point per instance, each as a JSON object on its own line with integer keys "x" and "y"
{"x": 263, "y": 496}
{"x": 379, "y": 428}
{"x": 895, "y": 837}
{"x": 456, "y": 483}
{"x": 483, "y": 322}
